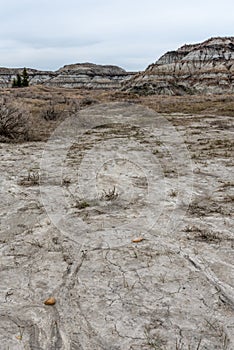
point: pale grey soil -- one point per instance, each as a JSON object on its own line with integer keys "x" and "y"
{"x": 71, "y": 237}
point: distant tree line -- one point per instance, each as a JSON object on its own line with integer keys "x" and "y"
{"x": 21, "y": 80}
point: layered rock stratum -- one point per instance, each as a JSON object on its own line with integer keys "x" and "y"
{"x": 207, "y": 67}
{"x": 89, "y": 75}
{"x": 80, "y": 75}
{"x": 35, "y": 76}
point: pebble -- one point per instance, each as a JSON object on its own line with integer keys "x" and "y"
{"x": 137, "y": 240}
{"x": 50, "y": 301}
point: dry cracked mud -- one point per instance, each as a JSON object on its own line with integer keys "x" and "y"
{"x": 70, "y": 209}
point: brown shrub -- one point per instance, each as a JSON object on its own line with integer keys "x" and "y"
{"x": 14, "y": 122}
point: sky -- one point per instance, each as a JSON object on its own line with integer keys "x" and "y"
{"x": 48, "y": 34}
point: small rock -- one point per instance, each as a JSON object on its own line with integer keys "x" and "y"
{"x": 50, "y": 301}
{"x": 137, "y": 240}
{"x": 48, "y": 222}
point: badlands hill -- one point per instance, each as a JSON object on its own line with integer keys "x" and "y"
{"x": 202, "y": 68}
{"x": 206, "y": 67}
{"x": 80, "y": 75}
{"x": 89, "y": 75}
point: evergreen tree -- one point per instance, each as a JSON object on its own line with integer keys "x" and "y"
{"x": 21, "y": 80}
{"x": 25, "y": 81}
{"x": 18, "y": 80}
{"x": 14, "y": 83}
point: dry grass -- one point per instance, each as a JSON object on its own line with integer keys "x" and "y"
{"x": 192, "y": 104}
{"x": 49, "y": 105}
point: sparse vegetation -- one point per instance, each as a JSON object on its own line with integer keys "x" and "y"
{"x": 21, "y": 80}
{"x": 169, "y": 282}
{"x": 81, "y": 204}
{"x": 155, "y": 341}
{"x": 203, "y": 235}
{"x": 110, "y": 195}
{"x": 50, "y": 112}
{"x": 173, "y": 193}
{"x": 14, "y": 122}
{"x": 88, "y": 101}
{"x": 53, "y": 104}
{"x": 32, "y": 178}
{"x": 25, "y": 77}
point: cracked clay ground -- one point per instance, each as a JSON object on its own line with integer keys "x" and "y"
{"x": 68, "y": 235}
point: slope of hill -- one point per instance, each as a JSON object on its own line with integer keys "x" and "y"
{"x": 206, "y": 67}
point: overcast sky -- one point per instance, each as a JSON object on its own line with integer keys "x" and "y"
{"x": 47, "y": 34}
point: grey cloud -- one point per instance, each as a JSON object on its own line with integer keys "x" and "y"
{"x": 130, "y": 33}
